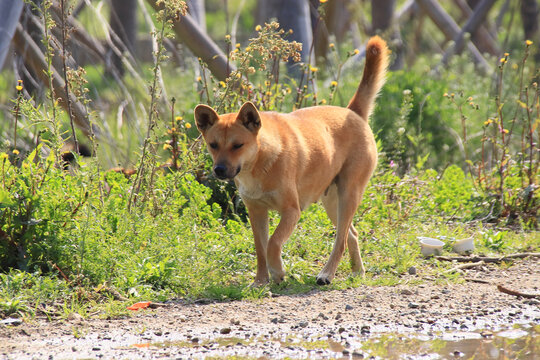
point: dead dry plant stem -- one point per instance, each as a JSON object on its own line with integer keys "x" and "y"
{"x": 458, "y": 268}
{"x": 154, "y": 95}
{"x": 488, "y": 259}
{"x": 17, "y": 110}
{"x": 174, "y": 137}
{"x": 65, "y": 33}
{"x": 508, "y": 291}
{"x": 47, "y": 21}
{"x": 502, "y": 162}
{"x": 504, "y": 289}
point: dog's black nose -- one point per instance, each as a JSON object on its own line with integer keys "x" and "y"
{"x": 220, "y": 171}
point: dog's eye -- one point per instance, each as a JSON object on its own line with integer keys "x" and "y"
{"x": 214, "y": 145}
{"x": 237, "y": 146}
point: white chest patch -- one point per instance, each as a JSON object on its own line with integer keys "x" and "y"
{"x": 250, "y": 188}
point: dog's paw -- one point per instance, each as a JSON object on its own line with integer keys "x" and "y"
{"x": 278, "y": 275}
{"x": 278, "y": 279}
{"x": 323, "y": 280}
{"x": 259, "y": 283}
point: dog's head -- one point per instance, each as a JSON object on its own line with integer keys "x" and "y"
{"x": 231, "y": 138}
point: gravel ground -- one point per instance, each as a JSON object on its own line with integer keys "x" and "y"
{"x": 467, "y": 319}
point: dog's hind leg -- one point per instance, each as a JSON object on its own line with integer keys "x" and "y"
{"x": 330, "y": 203}
{"x": 350, "y": 189}
{"x": 357, "y": 265}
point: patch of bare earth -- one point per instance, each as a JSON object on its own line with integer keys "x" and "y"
{"x": 319, "y": 324}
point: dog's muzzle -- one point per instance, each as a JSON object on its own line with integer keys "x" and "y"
{"x": 222, "y": 172}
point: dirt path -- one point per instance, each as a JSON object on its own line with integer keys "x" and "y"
{"x": 321, "y": 324}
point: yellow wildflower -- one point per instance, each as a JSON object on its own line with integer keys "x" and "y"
{"x": 15, "y": 152}
{"x": 167, "y": 147}
{"x": 528, "y": 42}
{"x": 4, "y": 156}
{"x": 356, "y": 52}
{"x": 188, "y": 126}
{"x": 199, "y": 79}
{"x": 222, "y": 84}
{"x": 313, "y": 68}
{"x": 331, "y": 45}
{"x": 178, "y": 118}
{"x": 333, "y": 83}
{"x": 323, "y": 1}
{"x": 258, "y": 28}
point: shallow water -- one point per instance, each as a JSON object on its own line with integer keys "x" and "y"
{"x": 522, "y": 342}
{"x": 519, "y": 342}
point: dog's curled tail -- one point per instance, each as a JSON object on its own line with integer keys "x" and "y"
{"x": 377, "y": 54}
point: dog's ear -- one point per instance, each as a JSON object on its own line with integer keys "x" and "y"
{"x": 249, "y": 117}
{"x": 205, "y": 117}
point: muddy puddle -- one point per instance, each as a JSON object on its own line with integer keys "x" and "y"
{"x": 519, "y": 342}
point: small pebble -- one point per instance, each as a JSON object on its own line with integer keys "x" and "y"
{"x": 412, "y": 270}
{"x": 413, "y": 305}
{"x": 303, "y": 324}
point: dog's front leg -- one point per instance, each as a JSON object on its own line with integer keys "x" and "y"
{"x": 289, "y": 219}
{"x": 258, "y": 217}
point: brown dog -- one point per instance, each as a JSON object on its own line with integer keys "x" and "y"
{"x": 286, "y": 162}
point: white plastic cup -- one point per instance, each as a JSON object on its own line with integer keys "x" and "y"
{"x": 463, "y": 246}
{"x": 430, "y": 246}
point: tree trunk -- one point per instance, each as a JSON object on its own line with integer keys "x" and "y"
{"x": 382, "y": 12}
{"x": 10, "y": 11}
{"x": 123, "y": 20}
{"x": 292, "y": 15}
{"x": 529, "y": 14}
{"x": 382, "y": 15}
{"x": 197, "y": 12}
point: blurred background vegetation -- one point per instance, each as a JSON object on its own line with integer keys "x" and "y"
{"x": 111, "y": 42}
